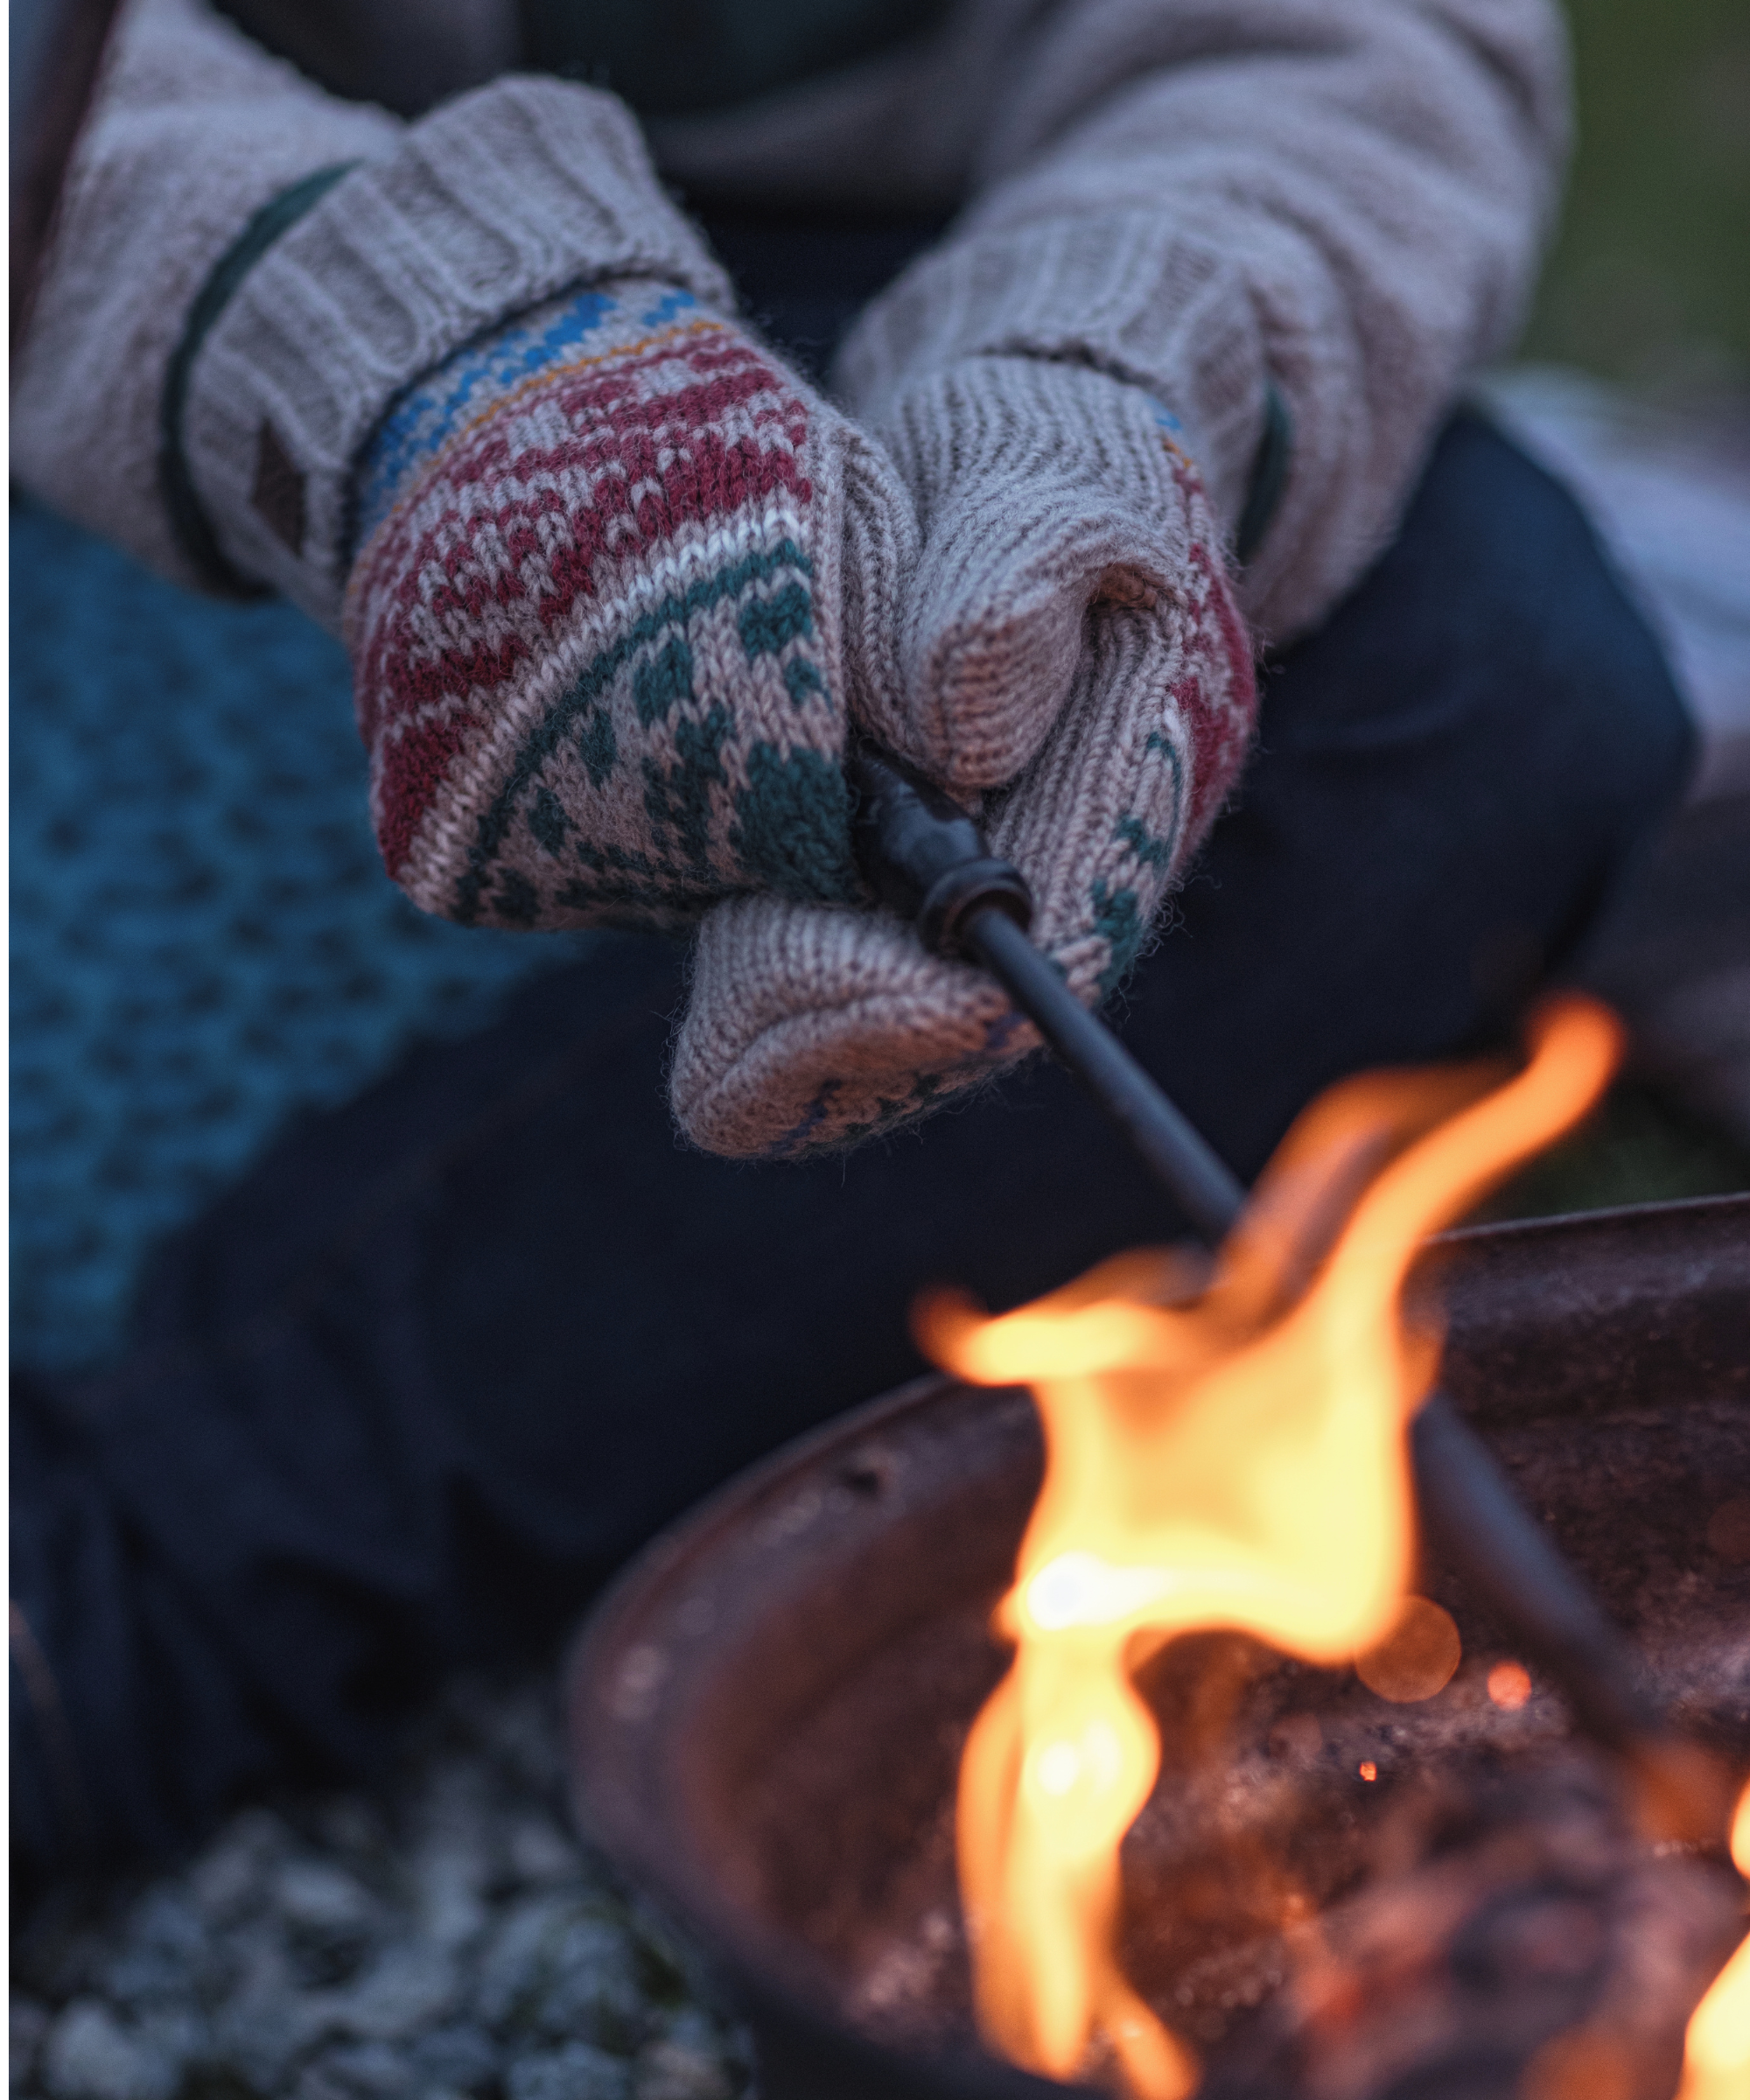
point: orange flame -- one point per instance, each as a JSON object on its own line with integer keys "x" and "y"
{"x": 1235, "y": 1460}
{"x": 1716, "y": 2047}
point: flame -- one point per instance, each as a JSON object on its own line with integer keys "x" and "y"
{"x": 1234, "y": 1458}
{"x": 1716, "y": 2045}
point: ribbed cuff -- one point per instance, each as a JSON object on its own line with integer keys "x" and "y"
{"x": 494, "y": 203}
{"x": 1126, "y": 295}
{"x": 176, "y": 484}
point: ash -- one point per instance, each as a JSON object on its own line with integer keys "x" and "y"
{"x": 443, "y": 1935}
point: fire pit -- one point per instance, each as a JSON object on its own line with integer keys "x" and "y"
{"x": 1327, "y": 1893}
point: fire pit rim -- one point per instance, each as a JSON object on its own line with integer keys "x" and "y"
{"x": 775, "y": 1982}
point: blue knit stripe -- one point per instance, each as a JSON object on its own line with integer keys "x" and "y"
{"x": 458, "y": 392}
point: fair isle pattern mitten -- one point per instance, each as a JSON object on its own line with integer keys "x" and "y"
{"x": 1073, "y": 616}
{"x": 621, "y": 578}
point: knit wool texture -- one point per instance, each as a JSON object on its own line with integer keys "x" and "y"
{"x": 194, "y": 130}
{"x": 1338, "y": 202}
{"x": 1341, "y": 199}
{"x": 1072, "y": 610}
{"x": 1042, "y": 490}
{"x": 627, "y": 576}
{"x": 493, "y": 204}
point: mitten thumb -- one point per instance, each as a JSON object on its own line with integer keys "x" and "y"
{"x": 1045, "y": 492}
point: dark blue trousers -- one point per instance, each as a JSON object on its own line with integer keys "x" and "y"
{"x": 416, "y": 1387}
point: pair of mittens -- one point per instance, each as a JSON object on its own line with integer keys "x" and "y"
{"x": 1071, "y": 661}
{"x": 626, "y": 587}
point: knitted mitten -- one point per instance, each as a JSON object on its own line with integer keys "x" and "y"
{"x": 1071, "y": 645}
{"x": 622, "y": 574}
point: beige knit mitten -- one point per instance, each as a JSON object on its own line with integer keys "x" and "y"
{"x": 622, "y": 577}
{"x": 1070, "y": 647}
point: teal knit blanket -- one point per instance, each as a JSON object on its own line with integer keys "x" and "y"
{"x": 204, "y": 941}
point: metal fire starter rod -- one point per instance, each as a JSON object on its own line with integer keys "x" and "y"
{"x": 925, "y": 858}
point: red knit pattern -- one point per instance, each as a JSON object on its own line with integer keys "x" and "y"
{"x": 471, "y": 577}
{"x": 410, "y": 771}
{"x": 1219, "y": 723}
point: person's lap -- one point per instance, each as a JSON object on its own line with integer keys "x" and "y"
{"x": 449, "y": 1354}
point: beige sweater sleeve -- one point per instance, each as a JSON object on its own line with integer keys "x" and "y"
{"x": 1345, "y": 198}
{"x": 194, "y": 130}
{"x": 1340, "y": 200}
{"x": 493, "y": 201}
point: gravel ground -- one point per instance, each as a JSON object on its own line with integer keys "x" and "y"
{"x": 443, "y": 1935}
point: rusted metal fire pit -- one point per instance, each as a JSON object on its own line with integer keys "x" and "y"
{"x": 767, "y": 1714}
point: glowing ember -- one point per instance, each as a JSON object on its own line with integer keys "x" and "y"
{"x": 1416, "y": 1658}
{"x": 1510, "y": 1686}
{"x": 1236, "y": 1459}
{"x": 1717, "y": 2047}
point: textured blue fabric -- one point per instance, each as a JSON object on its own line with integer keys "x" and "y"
{"x": 203, "y": 937}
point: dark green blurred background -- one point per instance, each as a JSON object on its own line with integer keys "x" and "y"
{"x": 1650, "y": 286}
{"x": 1650, "y": 279}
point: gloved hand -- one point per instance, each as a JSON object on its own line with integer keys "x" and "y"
{"x": 622, "y": 579}
{"x": 1069, "y": 646}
